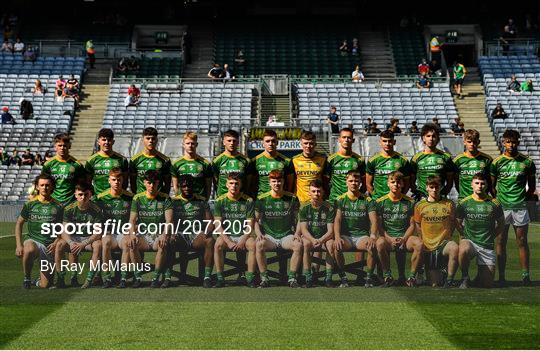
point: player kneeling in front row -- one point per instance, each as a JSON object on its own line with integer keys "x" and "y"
{"x": 275, "y": 222}
{"x": 480, "y": 220}
{"x": 435, "y": 220}
{"x": 355, "y": 227}
{"x": 395, "y": 211}
{"x": 115, "y": 203}
{"x": 193, "y": 213}
{"x": 151, "y": 222}
{"x": 36, "y": 212}
{"x": 79, "y": 234}
{"x": 317, "y": 226}
{"x": 234, "y": 216}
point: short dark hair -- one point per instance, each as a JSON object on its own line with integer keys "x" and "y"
{"x": 106, "y": 133}
{"x": 316, "y": 183}
{"x": 388, "y": 134}
{"x": 150, "y": 131}
{"x": 396, "y": 175}
{"x": 429, "y": 127}
{"x": 231, "y": 133}
{"x": 152, "y": 176}
{"x": 46, "y": 177}
{"x": 434, "y": 180}
{"x": 480, "y": 176}
{"x": 308, "y": 135}
{"x": 511, "y": 134}
{"x": 353, "y": 172}
{"x": 116, "y": 171}
{"x": 62, "y": 137}
{"x": 270, "y": 133}
{"x": 234, "y": 176}
{"x": 83, "y": 186}
{"x": 346, "y": 129}
{"x": 185, "y": 179}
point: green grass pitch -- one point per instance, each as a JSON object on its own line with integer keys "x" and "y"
{"x": 275, "y": 318}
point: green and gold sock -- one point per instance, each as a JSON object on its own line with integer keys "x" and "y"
{"x": 250, "y": 276}
{"x": 208, "y": 272}
{"x": 219, "y": 276}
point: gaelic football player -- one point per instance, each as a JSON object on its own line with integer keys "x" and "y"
{"x": 267, "y": 161}
{"x": 37, "y": 243}
{"x": 275, "y": 222}
{"x": 99, "y": 164}
{"x": 229, "y": 161}
{"x": 341, "y": 162}
{"x": 435, "y": 220}
{"x": 316, "y": 219}
{"x": 355, "y": 226}
{"x": 151, "y": 221}
{"x": 395, "y": 212}
{"x": 191, "y": 210}
{"x": 480, "y": 220}
{"x": 82, "y": 211}
{"x": 431, "y": 162}
{"x": 65, "y": 170}
{"x": 235, "y": 213}
{"x": 514, "y": 183}
{"x": 380, "y": 165}
{"x": 307, "y": 166}
{"x": 150, "y": 159}
{"x": 469, "y": 163}
{"x": 194, "y": 165}
{"x": 115, "y": 203}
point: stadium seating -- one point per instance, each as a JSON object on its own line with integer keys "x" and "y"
{"x": 286, "y": 51}
{"x": 15, "y": 181}
{"x": 176, "y": 109}
{"x": 408, "y": 48}
{"x": 523, "y": 109}
{"x": 14, "y": 64}
{"x": 381, "y": 102}
{"x": 155, "y": 67}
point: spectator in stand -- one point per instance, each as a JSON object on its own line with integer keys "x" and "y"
{"x": 367, "y": 125}
{"x": 440, "y": 129}
{"x": 39, "y": 159}
{"x": 435, "y": 68}
{"x": 458, "y": 74}
{"x": 6, "y": 116}
{"x": 514, "y": 85}
{"x": 133, "y": 96}
{"x": 435, "y": 48}
{"x": 122, "y": 65}
{"x": 72, "y": 83}
{"x": 4, "y": 157}
{"x": 333, "y": 120}
{"x": 459, "y": 129}
{"x": 6, "y": 46}
{"x": 133, "y": 64}
{"x": 28, "y": 158}
{"x": 455, "y": 125}
{"x": 38, "y": 88}
{"x": 26, "y": 109}
{"x": 91, "y": 53}
{"x": 374, "y": 129}
{"x": 498, "y": 112}
{"x": 423, "y": 83}
{"x": 227, "y": 73}
{"x": 394, "y": 128}
{"x": 357, "y": 75}
{"x": 30, "y": 54}
{"x": 18, "y": 47}
{"x": 215, "y": 72}
{"x": 59, "y": 88}
{"x": 355, "y": 49}
{"x": 423, "y": 68}
{"x": 344, "y": 48}
{"x": 240, "y": 58}
{"x": 504, "y": 40}
{"x": 527, "y": 86}
{"x": 15, "y": 159}
{"x": 48, "y": 156}
{"x": 512, "y": 29}
{"x": 413, "y": 129}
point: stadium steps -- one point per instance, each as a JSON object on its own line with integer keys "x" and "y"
{"x": 89, "y": 120}
{"x": 202, "y": 51}
{"x": 277, "y": 105}
{"x": 472, "y": 112}
{"x": 377, "y": 56}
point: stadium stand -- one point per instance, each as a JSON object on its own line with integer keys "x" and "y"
{"x": 408, "y": 48}
{"x": 155, "y": 67}
{"x": 380, "y": 101}
{"x": 14, "y": 64}
{"x": 523, "y": 109}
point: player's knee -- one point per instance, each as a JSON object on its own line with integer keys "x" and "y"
{"x": 380, "y": 244}
{"x": 260, "y": 245}
{"x": 209, "y": 242}
{"x": 297, "y": 246}
{"x": 521, "y": 241}
{"x": 307, "y": 245}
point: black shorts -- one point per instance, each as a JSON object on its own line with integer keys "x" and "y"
{"x": 458, "y": 81}
{"x": 435, "y": 259}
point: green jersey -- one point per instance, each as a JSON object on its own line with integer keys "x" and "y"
{"x": 466, "y": 167}
{"x": 234, "y": 213}
{"x": 36, "y": 213}
{"x": 92, "y": 214}
{"x": 337, "y": 167}
{"x": 223, "y": 165}
{"x": 263, "y": 164}
{"x": 190, "y": 213}
{"x": 459, "y": 71}
{"x": 379, "y": 166}
{"x": 65, "y": 174}
{"x": 151, "y": 209}
{"x": 423, "y": 164}
{"x": 115, "y": 207}
{"x": 98, "y": 167}
{"x": 141, "y": 163}
{"x": 395, "y": 215}
{"x": 354, "y": 214}
{"x": 317, "y": 218}
{"x": 277, "y": 215}
{"x": 198, "y": 168}
{"x": 479, "y": 219}
{"x": 512, "y": 174}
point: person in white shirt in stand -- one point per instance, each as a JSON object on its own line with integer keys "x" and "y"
{"x": 18, "y": 47}
{"x": 357, "y": 75}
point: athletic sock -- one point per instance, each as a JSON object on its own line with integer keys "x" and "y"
{"x": 524, "y": 274}
{"x": 220, "y": 276}
{"x": 308, "y": 275}
{"x": 264, "y": 276}
{"x": 123, "y": 275}
{"x": 250, "y": 276}
{"x": 412, "y": 274}
{"x": 73, "y": 274}
{"x": 168, "y": 273}
{"x": 61, "y": 275}
{"x": 90, "y": 275}
{"x": 388, "y": 274}
{"x": 342, "y": 274}
{"x": 107, "y": 275}
{"x": 157, "y": 273}
{"x": 369, "y": 272}
{"x": 291, "y": 275}
{"x": 207, "y": 272}
{"x": 328, "y": 275}
{"x": 450, "y": 278}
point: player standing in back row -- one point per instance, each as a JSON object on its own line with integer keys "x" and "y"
{"x": 229, "y": 161}
{"x": 308, "y": 166}
{"x": 514, "y": 183}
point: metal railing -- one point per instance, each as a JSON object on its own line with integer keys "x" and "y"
{"x": 77, "y": 48}
{"x": 377, "y": 81}
{"x": 523, "y": 46}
